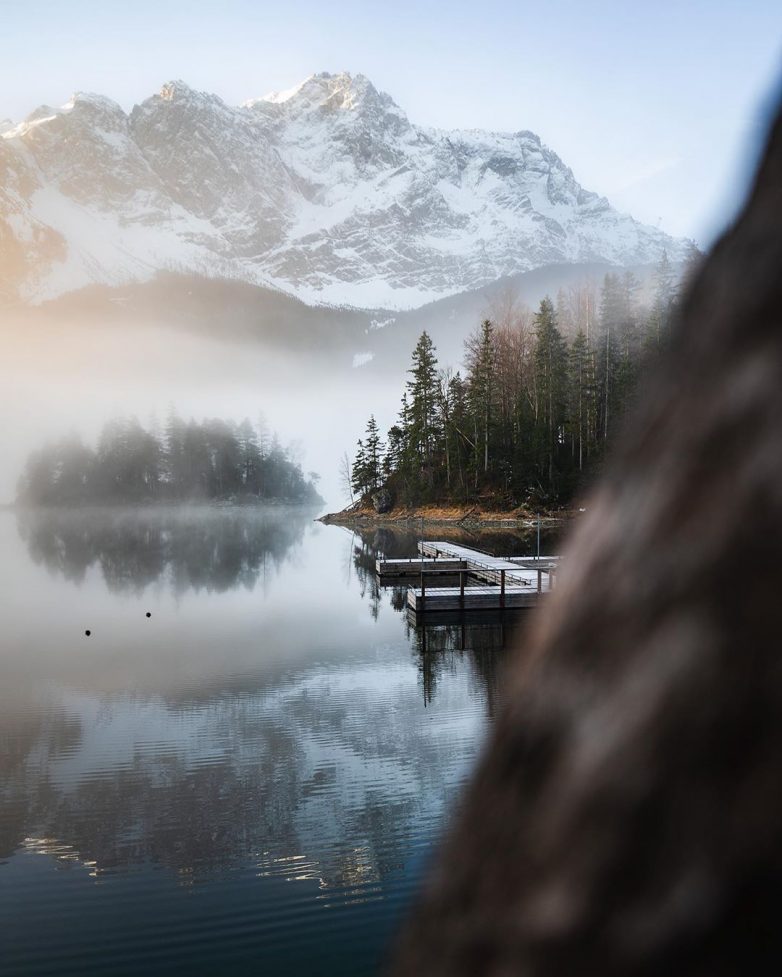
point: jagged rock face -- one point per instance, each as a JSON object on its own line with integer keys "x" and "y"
{"x": 22, "y": 237}
{"x": 86, "y": 151}
{"x": 218, "y": 164}
{"x": 327, "y": 191}
{"x": 382, "y": 501}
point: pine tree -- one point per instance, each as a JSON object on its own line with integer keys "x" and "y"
{"x": 458, "y": 415}
{"x": 550, "y": 370}
{"x": 663, "y": 304}
{"x": 481, "y": 363}
{"x": 360, "y": 470}
{"x": 628, "y": 344}
{"x": 250, "y": 456}
{"x": 421, "y": 415}
{"x": 612, "y": 318}
{"x": 445, "y": 379}
{"x": 579, "y": 382}
{"x": 373, "y": 454}
{"x": 693, "y": 259}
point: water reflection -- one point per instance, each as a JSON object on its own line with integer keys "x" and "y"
{"x": 261, "y": 780}
{"x": 303, "y": 735}
{"x": 190, "y": 548}
{"x": 397, "y": 543}
{"x": 442, "y": 640}
{"x": 133, "y": 753}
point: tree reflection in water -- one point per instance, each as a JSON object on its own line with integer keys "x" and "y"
{"x": 256, "y": 769}
{"x": 271, "y": 754}
{"x": 191, "y": 548}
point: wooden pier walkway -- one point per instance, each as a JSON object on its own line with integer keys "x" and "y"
{"x": 485, "y": 582}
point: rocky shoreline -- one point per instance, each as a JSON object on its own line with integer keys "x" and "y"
{"x": 465, "y": 516}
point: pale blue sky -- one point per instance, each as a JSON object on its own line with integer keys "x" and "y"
{"x": 660, "y": 106}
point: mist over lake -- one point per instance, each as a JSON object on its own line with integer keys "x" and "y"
{"x": 73, "y": 376}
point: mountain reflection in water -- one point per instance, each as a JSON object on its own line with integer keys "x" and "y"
{"x": 277, "y": 737}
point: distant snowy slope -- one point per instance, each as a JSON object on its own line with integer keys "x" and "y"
{"x": 326, "y": 191}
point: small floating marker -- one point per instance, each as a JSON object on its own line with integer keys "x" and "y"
{"x": 88, "y": 632}
{"x": 149, "y": 614}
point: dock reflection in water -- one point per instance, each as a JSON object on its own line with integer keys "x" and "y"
{"x": 249, "y": 779}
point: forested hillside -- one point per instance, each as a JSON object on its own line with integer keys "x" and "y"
{"x": 212, "y": 460}
{"x": 537, "y": 405}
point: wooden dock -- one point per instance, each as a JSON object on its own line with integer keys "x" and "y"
{"x": 485, "y": 582}
{"x": 414, "y": 568}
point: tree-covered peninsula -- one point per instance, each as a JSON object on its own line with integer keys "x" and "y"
{"x": 532, "y": 416}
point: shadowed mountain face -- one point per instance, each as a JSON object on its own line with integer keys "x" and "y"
{"x": 327, "y": 191}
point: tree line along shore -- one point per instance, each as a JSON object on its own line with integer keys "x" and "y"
{"x": 527, "y": 424}
{"x": 189, "y": 461}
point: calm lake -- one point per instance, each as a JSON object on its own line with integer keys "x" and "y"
{"x": 244, "y": 767}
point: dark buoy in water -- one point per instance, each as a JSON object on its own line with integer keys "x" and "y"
{"x": 149, "y": 614}
{"x": 88, "y": 632}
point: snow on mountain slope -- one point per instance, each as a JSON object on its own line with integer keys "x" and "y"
{"x": 326, "y": 191}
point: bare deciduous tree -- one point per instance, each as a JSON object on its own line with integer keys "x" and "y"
{"x": 345, "y": 476}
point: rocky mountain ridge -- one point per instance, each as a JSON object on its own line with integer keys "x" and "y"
{"x": 326, "y": 191}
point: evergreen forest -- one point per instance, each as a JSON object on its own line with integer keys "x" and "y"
{"x": 189, "y": 461}
{"x": 537, "y": 406}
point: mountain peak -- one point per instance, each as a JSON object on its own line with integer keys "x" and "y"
{"x": 173, "y": 90}
{"x": 86, "y": 104}
{"x": 340, "y": 91}
{"x": 277, "y": 97}
{"x": 93, "y": 103}
{"x": 179, "y": 93}
{"x": 325, "y": 190}
{"x": 348, "y": 91}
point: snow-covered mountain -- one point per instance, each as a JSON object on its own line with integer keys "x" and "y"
{"x": 326, "y": 191}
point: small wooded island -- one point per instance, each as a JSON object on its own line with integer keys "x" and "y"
{"x": 528, "y": 424}
{"x": 189, "y": 461}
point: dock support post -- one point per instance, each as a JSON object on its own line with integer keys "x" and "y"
{"x": 423, "y": 591}
{"x": 461, "y": 589}
{"x": 540, "y": 581}
{"x": 502, "y": 589}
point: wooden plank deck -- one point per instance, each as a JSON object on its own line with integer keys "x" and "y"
{"x": 414, "y": 568}
{"x": 535, "y": 562}
{"x": 485, "y": 582}
{"x": 470, "y": 599}
{"x": 491, "y": 569}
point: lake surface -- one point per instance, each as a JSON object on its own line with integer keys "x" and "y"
{"x": 244, "y": 767}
